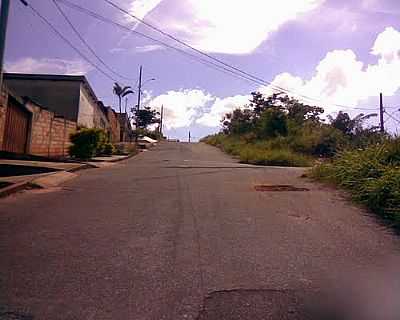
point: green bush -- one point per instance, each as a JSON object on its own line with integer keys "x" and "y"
{"x": 277, "y": 157}
{"x": 371, "y": 175}
{"x": 87, "y": 143}
{"x": 321, "y": 141}
{"x": 108, "y": 149}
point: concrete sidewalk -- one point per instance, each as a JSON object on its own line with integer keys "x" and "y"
{"x": 62, "y": 171}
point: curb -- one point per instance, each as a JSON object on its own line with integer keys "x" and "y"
{"x": 16, "y": 187}
{"x": 117, "y": 160}
{"x": 29, "y": 184}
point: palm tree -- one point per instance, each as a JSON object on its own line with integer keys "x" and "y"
{"x": 121, "y": 92}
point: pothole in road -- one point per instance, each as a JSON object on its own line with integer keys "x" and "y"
{"x": 278, "y": 188}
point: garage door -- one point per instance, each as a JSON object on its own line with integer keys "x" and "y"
{"x": 16, "y": 129}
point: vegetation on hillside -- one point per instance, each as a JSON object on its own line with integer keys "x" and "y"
{"x": 371, "y": 175}
{"x": 279, "y": 130}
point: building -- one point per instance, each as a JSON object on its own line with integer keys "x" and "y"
{"x": 115, "y": 127}
{"x": 126, "y": 132}
{"x": 29, "y": 128}
{"x": 70, "y": 97}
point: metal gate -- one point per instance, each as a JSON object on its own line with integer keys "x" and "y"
{"x": 17, "y": 126}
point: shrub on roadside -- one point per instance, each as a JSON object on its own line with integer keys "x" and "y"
{"x": 274, "y": 157}
{"x": 371, "y": 175}
{"x": 87, "y": 143}
{"x": 108, "y": 149}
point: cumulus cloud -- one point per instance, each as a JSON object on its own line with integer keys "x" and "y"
{"x": 140, "y": 8}
{"x": 220, "y": 107}
{"x": 340, "y": 79}
{"x": 46, "y": 65}
{"x": 225, "y": 26}
{"x": 181, "y": 107}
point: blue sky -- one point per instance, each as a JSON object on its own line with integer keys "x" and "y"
{"x": 341, "y": 52}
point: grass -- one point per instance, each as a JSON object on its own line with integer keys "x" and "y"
{"x": 372, "y": 176}
{"x": 268, "y": 153}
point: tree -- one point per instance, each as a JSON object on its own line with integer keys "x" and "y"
{"x": 348, "y": 126}
{"x": 272, "y": 123}
{"x": 238, "y": 122}
{"x": 146, "y": 117}
{"x": 121, "y": 92}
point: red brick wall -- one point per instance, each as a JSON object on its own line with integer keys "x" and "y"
{"x": 40, "y": 131}
{"x": 3, "y": 110}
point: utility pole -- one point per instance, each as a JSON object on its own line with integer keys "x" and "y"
{"x": 381, "y": 111}
{"x": 139, "y": 88}
{"x": 138, "y": 103}
{"x": 161, "y": 120}
{"x": 5, "y": 8}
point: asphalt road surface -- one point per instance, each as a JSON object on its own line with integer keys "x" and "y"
{"x": 180, "y": 232}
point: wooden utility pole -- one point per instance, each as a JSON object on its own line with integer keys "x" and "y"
{"x": 138, "y": 104}
{"x": 161, "y": 120}
{"x": 5, "y": 8}
{"x": 139, "y": 88}
{"x": 381, "y": 111}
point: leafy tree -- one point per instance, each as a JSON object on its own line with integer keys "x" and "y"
{"x": 238, "y": 122}
{"x": 146, "y": 117}
{"x": 349, "y": 126}
{"x": 272, "y": 123}
{"x": 121, "y": 92}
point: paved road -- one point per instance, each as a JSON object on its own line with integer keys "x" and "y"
{"x": 179, "y": 232}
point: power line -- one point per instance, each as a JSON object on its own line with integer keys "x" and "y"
{"x": 192, "y": 56}
{"x": 78, "y": 34}
{"x": 241, "y": 74}
{"x": 264, "y": 82}
{"x": 60, "y": 35}
{"x": 391, "y": 116}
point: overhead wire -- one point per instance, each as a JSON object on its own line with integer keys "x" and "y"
{"x": 192, "y": 56}
{"x": 60, "y": 35}
{"x": 391, "y": 116}
{"x": 233, "y": 71}
{"x": 87, "y": 45}
{"x": 264, "y": 82}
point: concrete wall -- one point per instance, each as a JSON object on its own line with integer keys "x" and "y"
{"x": 87, "y": 108}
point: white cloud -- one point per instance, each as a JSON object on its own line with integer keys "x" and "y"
{"x": 341, "y": 79}
{"x": 225, "y": 26}
{"x": 46, "y": 65}
{"x": 148, "y": 48}
{"x": 181, "y": 107}
{"x": 140, "y": 8}
{"x": 387, "y": 45}
{"x": 220, "y": 107}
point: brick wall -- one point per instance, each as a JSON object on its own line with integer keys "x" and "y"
{"x": 49, "y": 136}
{"x": 3, "y": 110}
{"x": 114, "y": 125}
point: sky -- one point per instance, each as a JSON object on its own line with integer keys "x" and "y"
{"x": 338, "y": 54}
